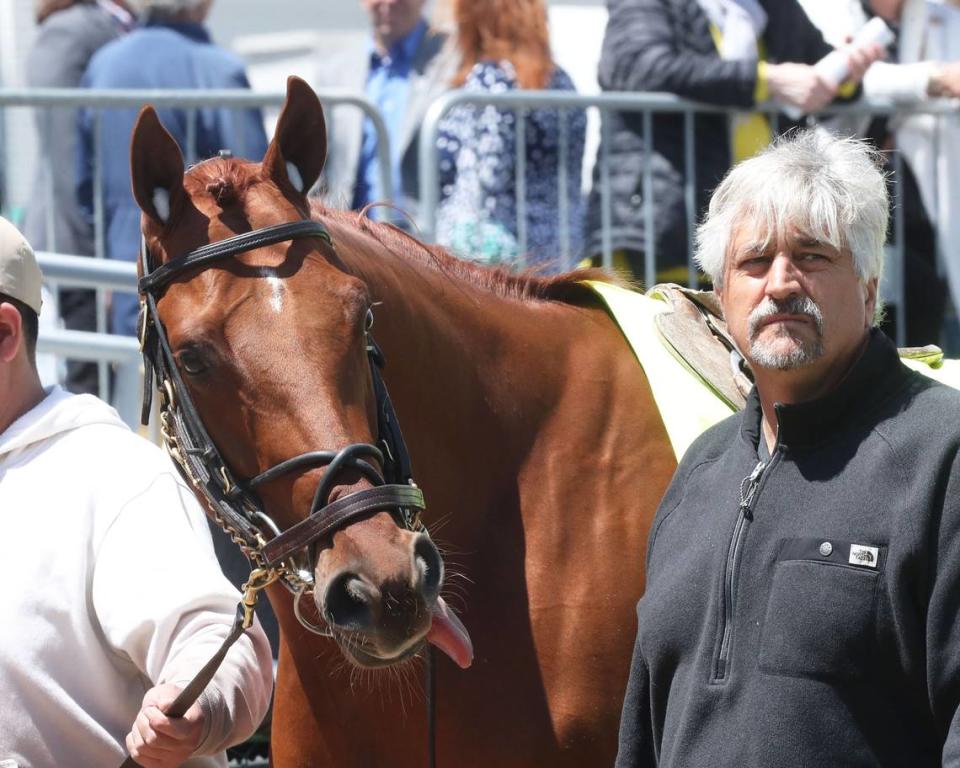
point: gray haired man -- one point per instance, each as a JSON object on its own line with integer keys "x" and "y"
{"x": 804, "y": 565}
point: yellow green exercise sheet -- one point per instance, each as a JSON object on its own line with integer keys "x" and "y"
{"x": 688, "y": 405}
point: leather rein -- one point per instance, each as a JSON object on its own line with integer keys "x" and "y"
{"x": 233, "y": 504}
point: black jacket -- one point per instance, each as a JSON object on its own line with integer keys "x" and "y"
{"x": 808, "y": 613}
{"x": 665, "y": 45}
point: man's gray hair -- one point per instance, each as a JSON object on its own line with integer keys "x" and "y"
{"x": 142, "y": 8}
{"x": 830, "y": 188}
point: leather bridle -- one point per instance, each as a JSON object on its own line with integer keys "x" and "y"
{"x": 234, "y": 504}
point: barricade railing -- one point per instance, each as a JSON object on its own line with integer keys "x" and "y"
{"x": 646, "y": 105}
{"x": 192, "y": 101}
{"x": 123, "y": 352}
{"x": 106, "y": 276}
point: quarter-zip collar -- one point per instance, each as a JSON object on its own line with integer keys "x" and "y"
{"x": 876, "y": 374}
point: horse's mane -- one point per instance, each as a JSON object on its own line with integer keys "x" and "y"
{"x": 227, "y": 181}
{"x": 527, "y": 285}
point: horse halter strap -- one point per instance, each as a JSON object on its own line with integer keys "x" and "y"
{"x": 233, "y": 504}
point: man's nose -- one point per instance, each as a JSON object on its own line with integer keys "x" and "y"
{"x": 783, "y": 277}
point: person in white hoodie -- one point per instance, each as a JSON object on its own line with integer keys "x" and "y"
{"x": 111, "y": 598}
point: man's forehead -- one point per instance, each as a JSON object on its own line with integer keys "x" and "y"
{"x": 751, "y": 237}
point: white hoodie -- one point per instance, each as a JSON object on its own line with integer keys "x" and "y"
{"x": 108, "y": 586}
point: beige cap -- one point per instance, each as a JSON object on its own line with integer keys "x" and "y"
{"x": 20, "y": 276}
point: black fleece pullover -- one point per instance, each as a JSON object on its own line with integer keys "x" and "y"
{"x": 805, "y": 610}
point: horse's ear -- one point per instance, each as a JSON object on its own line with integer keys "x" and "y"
{"x": 156, "y": 167}
{"x": 299, "y": 146}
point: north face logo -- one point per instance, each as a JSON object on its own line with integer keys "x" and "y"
{"x": 860, "y": 554}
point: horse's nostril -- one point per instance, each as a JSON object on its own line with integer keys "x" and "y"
{"x": 348, "y": 601}
{"x": 429, "y": 566}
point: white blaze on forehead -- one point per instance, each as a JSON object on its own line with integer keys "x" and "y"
{"x": 276, "y": 285}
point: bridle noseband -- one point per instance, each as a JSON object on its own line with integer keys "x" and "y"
{"x": 234, "y": 504}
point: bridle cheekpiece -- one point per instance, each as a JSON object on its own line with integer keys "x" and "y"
{"x": 234, "y": 504}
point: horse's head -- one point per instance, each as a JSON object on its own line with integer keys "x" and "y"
{"x": 271, "y": 344}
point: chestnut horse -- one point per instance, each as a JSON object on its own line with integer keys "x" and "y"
{"x": 533, "y": 434}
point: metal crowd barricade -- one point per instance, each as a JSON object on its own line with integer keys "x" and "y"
{"x": 647, "y": 105}
{"x": 103, "y": 349}
{"x": 123, "y": 351}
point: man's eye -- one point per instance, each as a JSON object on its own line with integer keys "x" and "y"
{"x": 191, "y": 362}
{"x": 812, "y": 257}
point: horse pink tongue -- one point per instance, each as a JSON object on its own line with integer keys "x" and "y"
{"x": 450, "y": 636}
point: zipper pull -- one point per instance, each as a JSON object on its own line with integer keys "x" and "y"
{"x": 748, "y": 489}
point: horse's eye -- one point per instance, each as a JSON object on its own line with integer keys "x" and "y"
{"x": 191, "y": 362}
{"x": 368, "y": 322}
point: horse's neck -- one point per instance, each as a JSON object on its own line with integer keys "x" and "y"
{"x": 485, "y": 385}
{"x": 457, "y": 356}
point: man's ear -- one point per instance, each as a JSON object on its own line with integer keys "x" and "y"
{"x": 11, "y": 332}
{"x": 870, "y": 290}
{"x": 156, "y": 167}
{"x": 718, "y": 288}
{"x": 298, "y": 150}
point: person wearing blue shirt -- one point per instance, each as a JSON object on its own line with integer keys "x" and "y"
{"x": 388, "y": 86}
{"x": 402, "y": 68}
{"x": 171, "y": 49}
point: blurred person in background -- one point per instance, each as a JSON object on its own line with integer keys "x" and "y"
{"x": 69, "y": 32}
{"x": 729, "y": 53}
{"x": 922, "y": 68}
{"x": 171, "y": 49}
{"x": 504, "y": 45}
{"x": 401, "y": 69}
